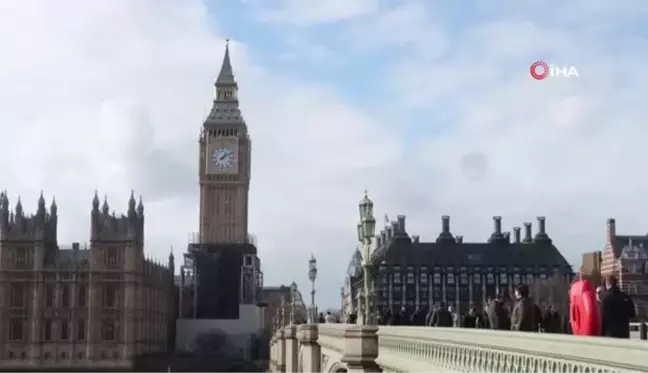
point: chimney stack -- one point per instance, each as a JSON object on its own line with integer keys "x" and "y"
{"x": 378, "y": 242}
{"x": 507, "y": 236}
{"x": 541, "y": 225}
{"x": 527, "y": 233}
{"x": 390, "y": 232}
{"x": 416, "y": 238}
{"x": 383, "y": 236}
{"x": 75, "y": 246}
{"x": 611, "y": 230}
{"x": 459, "y": 239}
{"x": 445, "y": 224}
{"x": 401, "y": 223}
{"x": 394, "y": 229}
{"x": 497, "y": 224}
{"x": 516, "y": 234}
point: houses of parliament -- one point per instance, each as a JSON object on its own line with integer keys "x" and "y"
{"x": 78, "y": 308}
{"x": 101, "y": 306}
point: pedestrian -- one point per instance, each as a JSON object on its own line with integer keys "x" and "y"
{"x": 498, "y": 317}
{"x": 617, "y": 310}
{"x": 455, "y": 316}
{"x": 418, "y": 317}
{"x": 442, "y": 317}
{"x": 329, "y": 318}
{"x": 430, "y": 315}
{"x": 523, "y": 315}
{"x": 470, "y": 320}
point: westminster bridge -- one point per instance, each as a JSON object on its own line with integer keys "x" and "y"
{"x": 370, "y": 348}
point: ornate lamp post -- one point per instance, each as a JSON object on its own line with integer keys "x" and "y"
{"x": 293, "y": 295}
{"x": 312, "y": 275}
{"x": 283, "y": 311}
{"x": 366, "y": 231}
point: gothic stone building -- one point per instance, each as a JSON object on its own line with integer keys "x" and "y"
{"x": 85, "y": 309}
{"x": 410, "y": 273}
{"x": 626, "y": 257}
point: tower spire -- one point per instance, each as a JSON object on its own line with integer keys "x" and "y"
{"x": 226, "y": 75}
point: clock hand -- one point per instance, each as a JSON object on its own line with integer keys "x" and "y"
{"x": 223, "y": 157}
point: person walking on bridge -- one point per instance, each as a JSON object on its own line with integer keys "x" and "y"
{"x": 523, "y": 316}
{"x": 617, "y": 311}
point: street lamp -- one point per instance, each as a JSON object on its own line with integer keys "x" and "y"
{"x": 293, "y": 295}
{"x": 283, "y": 311}
{"x": 312, "y": 275}
{"x": 366, "y": 230}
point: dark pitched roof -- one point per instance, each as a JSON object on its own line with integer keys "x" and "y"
{"x": 403, "y": 251}
{"x": 621, "y": 242}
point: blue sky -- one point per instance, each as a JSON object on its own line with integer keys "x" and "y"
{"x": 428, "y": 104}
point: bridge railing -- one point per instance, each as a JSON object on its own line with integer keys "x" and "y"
{"x": 355, "y": 348}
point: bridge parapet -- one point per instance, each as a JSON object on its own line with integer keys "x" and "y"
{"x": 355, "y": 348}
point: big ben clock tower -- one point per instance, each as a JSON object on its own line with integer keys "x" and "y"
{"x": 224, "y": 165}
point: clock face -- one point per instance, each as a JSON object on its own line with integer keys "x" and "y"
{"x": 223, "y": 158}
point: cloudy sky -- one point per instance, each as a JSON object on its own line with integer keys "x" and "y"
{"x": 427, "y": 104}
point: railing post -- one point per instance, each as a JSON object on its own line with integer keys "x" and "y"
{"x": 361, "y": 348}
{"x": 643, "y": 330}
{"x": 309, "y": 352}
{"x": 272, "y": 357}
{"x": 290, "y": 340}
{"x": 281, "y": 360}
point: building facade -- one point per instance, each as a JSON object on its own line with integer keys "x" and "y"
{"x": 590, "y": 269}
{"x": 278, "y": 299}
{"x": 626, "y": 257}
{"x": 413, "y": 274}
{"x": 93, "y": 308}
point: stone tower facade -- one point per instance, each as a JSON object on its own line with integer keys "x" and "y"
{"x": 91, "y": 308}
{"x": 225, "y": 150}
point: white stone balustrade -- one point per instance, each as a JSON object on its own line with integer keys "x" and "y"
{"x": 354, "y": 348}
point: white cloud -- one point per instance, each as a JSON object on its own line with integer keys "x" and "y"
{"x": 111, "y": 96}
{"x": 309, "y": 12}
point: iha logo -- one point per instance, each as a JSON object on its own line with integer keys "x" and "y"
{"x": 541, "y": 70}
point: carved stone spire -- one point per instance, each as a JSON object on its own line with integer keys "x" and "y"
{"x": 19, "y": 208}
{"x": 140, "y": 207}
{"x": 105, "y": 208}
{"x": 95, "y": 202}
{"x": 226, "y": 75}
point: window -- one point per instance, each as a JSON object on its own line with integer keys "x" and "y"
{"x": 503, "y": 278}
{"x": 410, "y": 275}
{"x": 108, "y": 331}
{"x": 82, "y": 296}
{"x": 451, "y": 278}
{"x": 490, "y": 278}
{"x": 81, "y": 330}
{"x": 65, "y": 296}
{"x": 463, "y": 277}
{"x": 48, "y": 330}
{"x": 436, "y": 278}
{"x": 17, "y": 295}
{"x": 529, "y": 278}
{"x": 16, "y": 330}
{"x": 49, "y": 296}
{"x": 110, "y": 258}
{"x": 109, "y": 300}
{"x": 476, "y": 276}
{"x": 65, "y": 331}
{"x": 423, "y": 276}
{"x": 397, "y": 275}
